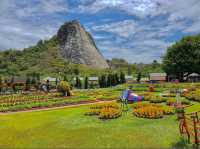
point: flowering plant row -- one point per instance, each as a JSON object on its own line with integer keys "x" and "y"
{"x": 151, "y": 111}
{"x": 105, "y": 111}
{"x": 194, "y": 95}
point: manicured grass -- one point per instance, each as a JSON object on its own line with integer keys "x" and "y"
{"x": 194, "y": 108}
{"x": 69, "y": 128}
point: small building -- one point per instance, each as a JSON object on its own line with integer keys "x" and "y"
{"x": 158, "y": 77}
{"x": 129, "y": 78}
{"x": 194, "y": 77}
{"x": 81, "y": 78}
{"x": 51, "y": 80}
{"x": 17, "y": 80}
{"x": 93, "y": 79}
{"x": 93, "y": 82}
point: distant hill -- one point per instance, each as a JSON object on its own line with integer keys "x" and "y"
{"x": 71, "y": 49}
{"x": 78, "y": 46}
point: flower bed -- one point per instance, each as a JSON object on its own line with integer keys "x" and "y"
{"x": 157, "y": 99}
{"x": 194, "y": 95}
{"x": 151, "y": 111}
{"x": 32, "y": 101}
{"x": 105, "y": 111}
{"x": 172, "y": 101}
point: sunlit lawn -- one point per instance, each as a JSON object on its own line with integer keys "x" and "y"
{"x": 69, "y": 128}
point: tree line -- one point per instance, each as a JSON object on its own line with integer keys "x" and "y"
{"x": 104, "y": 81}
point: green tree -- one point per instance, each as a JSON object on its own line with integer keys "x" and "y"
{"x": 86, "y": 83}
{"x": 38, "y": 77}
{"x": 129, "y": 70}
{"x": 183, "y": 58}
{"x": 103, "y": 81}
{"x": 100, "y": 81}
{"x": 109, "y": 83}
{"x": 122, "y": 78}
{"x": 1, "y": 82}
{"x": 33, "y": 81}
{"x": 139, "y": 76}
{"x": 117, "y": 79}
{"x": 28, "y": 83}
{"x": 113, "y": 80}
{"x": 77, "y": 82}
{"x": 76, "y": 71}
{"x": 65, "y": 78}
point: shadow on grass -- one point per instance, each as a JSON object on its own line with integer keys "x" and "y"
{"x": 182, "y": 144}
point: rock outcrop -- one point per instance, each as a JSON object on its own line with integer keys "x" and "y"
{"x": 78, "y": 46}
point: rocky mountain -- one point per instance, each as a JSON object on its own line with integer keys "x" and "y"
{"x": 71, "y": 44}
{"x": 78, "y": 46}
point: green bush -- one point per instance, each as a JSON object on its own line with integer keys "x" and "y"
{"x": 64, "y": 88}
{"x": 157, "y": 99}
{"x": 185, "y": 102}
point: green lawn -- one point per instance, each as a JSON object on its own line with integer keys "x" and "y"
{"x": 69, "y": 128}
{"x": 194, "y": 108}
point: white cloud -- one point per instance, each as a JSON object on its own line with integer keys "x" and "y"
{"x": 124, "y": 28}
{"x": 23, "y": 23}
{"x": 142, "y": 42}
{"x": 177, "y": 10}
{"x": 41, "y": 8}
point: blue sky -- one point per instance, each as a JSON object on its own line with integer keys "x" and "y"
{"x": 136, "y": 30}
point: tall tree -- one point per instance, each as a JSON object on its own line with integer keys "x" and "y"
{"x": 1, "y": 82}
{"x": 86, "y": 83}
{"x": 109, "y": 79}
{"x": 28, "y": 83}
{"x": 183, "y": 58}
{"x": 129, "y": 70}
{"x": 139, "y": 76}
{"x": 65, "y": 78}
{"x": 103, "y": 81}
{"x": 116, "y": 77}
{"x": 122, "y": 78}
{"x": 77, "y": 82}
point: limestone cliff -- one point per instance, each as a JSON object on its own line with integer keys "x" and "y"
{"x": 78, "y": 46}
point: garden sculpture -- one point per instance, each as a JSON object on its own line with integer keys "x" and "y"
{"x": 124, "y": 100}
{"x": 131, "y": 97}
{"x": 64, "y": 88}
{"x": 44, "y": 88}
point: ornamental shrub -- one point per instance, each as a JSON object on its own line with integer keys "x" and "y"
{"x": 64, "y": 88}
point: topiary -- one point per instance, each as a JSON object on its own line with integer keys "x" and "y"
{"x": 64, "y": 88}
